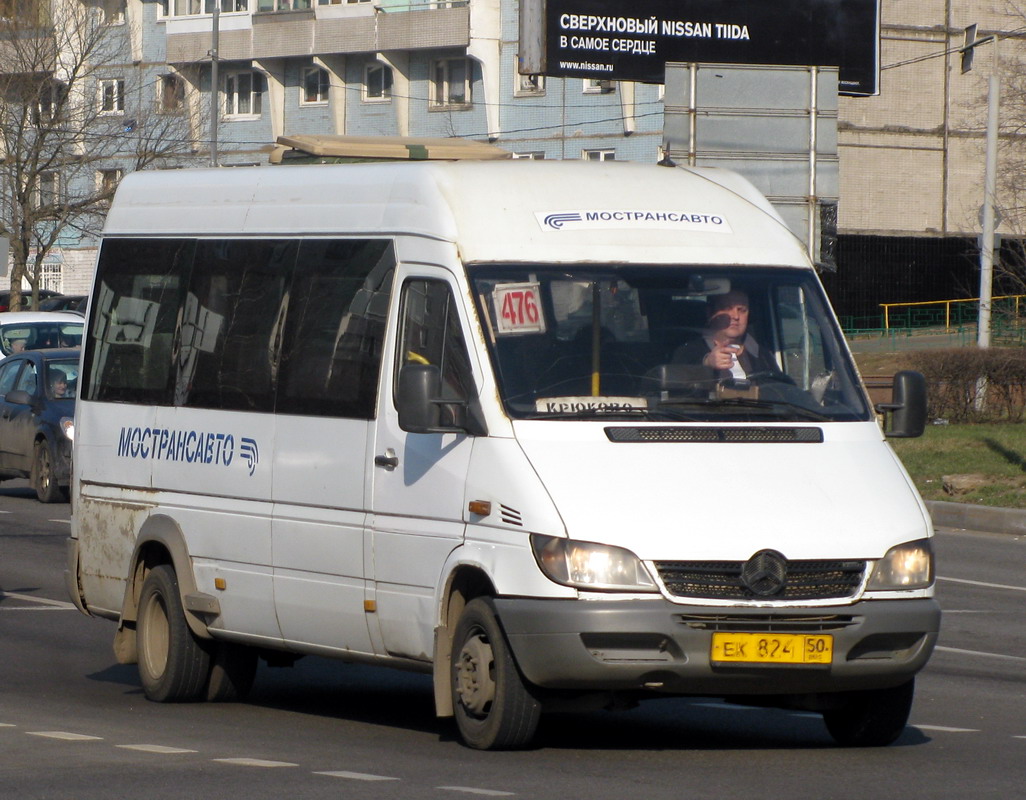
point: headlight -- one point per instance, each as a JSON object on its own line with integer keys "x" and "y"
{"x": 67, "y": 425}
{"x": 586, "y": 565}
{"x": 906, "y": 566}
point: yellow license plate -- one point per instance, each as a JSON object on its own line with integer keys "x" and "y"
{"x": 772, "y": 648}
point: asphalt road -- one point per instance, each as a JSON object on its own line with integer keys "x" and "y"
{"x": 74, "y": 724}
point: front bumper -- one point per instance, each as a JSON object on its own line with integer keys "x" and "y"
{"x": 659, "y": 646}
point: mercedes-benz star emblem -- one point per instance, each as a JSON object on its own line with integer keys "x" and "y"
{"x": 765, "y": 573}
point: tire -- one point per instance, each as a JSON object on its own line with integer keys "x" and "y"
{"x": 43, "y": 479}
{"x": 174, "y": 667}
{"x": 871, "y": 718}
{"x": 232, "y": 671}
{"x": 493, "y": 706}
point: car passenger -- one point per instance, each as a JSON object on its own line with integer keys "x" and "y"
{"x": 59, "y": 386}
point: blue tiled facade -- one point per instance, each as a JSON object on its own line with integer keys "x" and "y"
{"x": 555, "y": 120}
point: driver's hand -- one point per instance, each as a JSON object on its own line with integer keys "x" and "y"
{"x": 722, "y": 356}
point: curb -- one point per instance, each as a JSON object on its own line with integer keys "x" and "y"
{"x": 977, "y": 518}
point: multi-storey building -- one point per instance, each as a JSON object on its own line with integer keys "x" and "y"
{"x": 911, "y": 159}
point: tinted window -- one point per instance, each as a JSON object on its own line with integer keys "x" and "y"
{"x": 138, "y": 292}
{"x": 251, "y": 324}
{"x": 231, "y": 323}
{"x": 335, "y": 327}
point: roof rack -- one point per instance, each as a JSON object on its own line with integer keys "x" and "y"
{"x": 329, "y": 149}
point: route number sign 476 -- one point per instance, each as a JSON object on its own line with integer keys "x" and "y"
{"x": 518, "y": 308}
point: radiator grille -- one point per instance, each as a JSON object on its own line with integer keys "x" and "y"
{"x": 721, "y": 580}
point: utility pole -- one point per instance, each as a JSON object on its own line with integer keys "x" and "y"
{"x": 214, "y": 98}
{"x": 987, "y": 210}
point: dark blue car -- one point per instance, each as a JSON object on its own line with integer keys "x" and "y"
{"x": 37, "y": 410}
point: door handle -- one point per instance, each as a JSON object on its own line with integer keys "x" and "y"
{"x": 389, "y": 461}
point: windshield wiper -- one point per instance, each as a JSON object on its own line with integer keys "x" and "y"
{"x": 589, "y": 413}
{"x": 780, "y": 405}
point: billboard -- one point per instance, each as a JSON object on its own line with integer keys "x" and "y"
{"x": 601, "y": 39}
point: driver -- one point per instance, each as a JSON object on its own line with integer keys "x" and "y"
{"x": 726, "y": 347}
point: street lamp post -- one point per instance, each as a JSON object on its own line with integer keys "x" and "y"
{"x": 214, "y": 36}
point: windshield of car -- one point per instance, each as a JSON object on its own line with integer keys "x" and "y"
{"x": 18, "y": 336}
{"x": 665, "y": 343}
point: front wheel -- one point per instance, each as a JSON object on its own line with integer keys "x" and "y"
{"x": 44, "y": 481}
{"x": 233, "y": 668}
{"x": 494, "y": 708}
{"x": 173, "y": 665}
{"x": 873, "y": 718}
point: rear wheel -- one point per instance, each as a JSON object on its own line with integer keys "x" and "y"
{"x": 872, "y": 718}
{"x": 232, "y": 670}
{"x": 173, "y": 665}
{"x": 44, "y": 481}
{"x": 494, "y": 708}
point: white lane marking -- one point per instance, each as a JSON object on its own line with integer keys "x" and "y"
{"x": 472, "y": 790}
{"x": 7, "y": 725}
{"x": 945, "y": 729}
{"x": 255, "y": 762}
{"x": 45, "y": 601}
{"x": 983, "y": 583}
{"x": 962, "y": 652}
{"x": 65, "y": 521}
{"x": 68, "y": 737}
{"x": 356, "y": 776}
{"x": 155, "y": 748}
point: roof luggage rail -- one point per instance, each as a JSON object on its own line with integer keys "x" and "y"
{"x": 332, "y": 149}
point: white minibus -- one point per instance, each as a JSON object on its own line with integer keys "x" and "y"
{"x": 562, "y": 435}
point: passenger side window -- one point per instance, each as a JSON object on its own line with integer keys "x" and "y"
{"x": 27, "y": 381}
{"x": 431, "y": 334}
{"x": 8, "y": 372}
{"x": 335, "y": 328}
{"x": 231, "y": 325}
{"x": 138, "y": 293}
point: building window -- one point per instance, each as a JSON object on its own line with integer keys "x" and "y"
{"x": 533, "y": 155}
{"x": 596, "y": 86}
{"x": 191, "y": 8}
{"x": 340, "y": 2}
{"x": 114, "y": 11}
{"x": 526, "y": 85}
{"x": 243, "y": 94}
{"x": 112, "y": 96}
{"x": 450, "y": 83}
{"x": 48, "y": 188}
{"x": 170, "y": 94}
{"x": 48, "y": 105}
{"x": 52, "y": 277}
{"x": 107, "y": 181}
{"x": 315, "y": 87}
{"x": 377, "y": 83}
{"x": 598, "y": 155}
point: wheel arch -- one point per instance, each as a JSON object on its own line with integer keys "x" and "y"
{"x": 160, "y": 541}
{"x": 464, "y": 583}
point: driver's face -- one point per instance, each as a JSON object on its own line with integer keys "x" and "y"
{"x": 729, "y": 316}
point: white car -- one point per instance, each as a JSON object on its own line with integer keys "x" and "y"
{"x": 39, "y": 330}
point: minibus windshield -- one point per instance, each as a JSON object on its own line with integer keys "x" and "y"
{"x": 665, "y": 343}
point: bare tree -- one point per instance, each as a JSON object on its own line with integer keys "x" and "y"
{"x": 75, "y": 114}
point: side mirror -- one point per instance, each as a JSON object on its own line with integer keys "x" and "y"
{"x": 906, "y": 413}
{"x": 420, "y": 404}
{"x": 19, "y": 397}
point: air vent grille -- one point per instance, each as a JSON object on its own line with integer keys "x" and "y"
{"x": 726, "y": 435}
